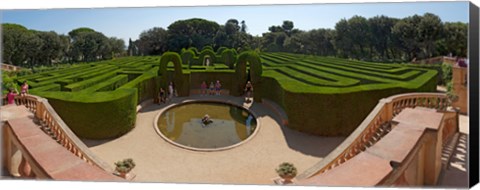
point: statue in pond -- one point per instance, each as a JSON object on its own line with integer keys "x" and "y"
{"x": 206, "y": 120}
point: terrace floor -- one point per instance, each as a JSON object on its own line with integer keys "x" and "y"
{"x": 253, "y": 162}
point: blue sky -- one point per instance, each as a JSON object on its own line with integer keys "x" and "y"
{"x": 130, "y": 22}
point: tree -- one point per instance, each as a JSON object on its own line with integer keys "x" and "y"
{"x": 454, "y": 39}
{"x": 429, "y": 31}
{"x": 407, "y": 33}
{"x": 51, "y": 48}
{"x": 15, "y": 39}
{"x": 153, "y": 41}
{"x": 287, "y": 27}
{"x": 381, "y": 36}
{"x": 191, "y": 33}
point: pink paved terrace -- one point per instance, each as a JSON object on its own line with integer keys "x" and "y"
{"x": 416, "y": 140}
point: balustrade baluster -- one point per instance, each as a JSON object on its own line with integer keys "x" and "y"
{"x": 24, "y": 169}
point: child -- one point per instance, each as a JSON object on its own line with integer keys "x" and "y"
{"x": 24, "y": 88}
{"x": 161, "y": 96}
{"x": 11, "y": 96}
{"x": 203, "y": 88}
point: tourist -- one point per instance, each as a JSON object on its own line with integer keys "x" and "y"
{"x": 248, "y": 90}
{"x": 170, "y": 91}
{"x": 11, "y": 96}
{"x": 218, "y": 87}
{"x": 212, "y": 88}
{"x": 161, "y": 96}
{"x": 24, "y": 89}
{"x": 203, "y": 88}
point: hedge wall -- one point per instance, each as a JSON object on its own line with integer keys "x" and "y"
{"x": 97, "y": 115}
{"x": 335, "y": 114}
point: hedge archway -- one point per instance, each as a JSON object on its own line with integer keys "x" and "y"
{"x": 229, "y": 58}
{"x": 178, "y": 77}
{"x": 206, "y": 52}
{"x": 187, "y": 57}
{"x": 240, "y": 79}
{"x": 220, "y": 50}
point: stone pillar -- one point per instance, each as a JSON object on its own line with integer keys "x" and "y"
{"x": 433, "y": 156}
{"x": 460, "y": 82}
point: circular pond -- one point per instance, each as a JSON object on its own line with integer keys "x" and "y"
{"x": 184, "y": 125}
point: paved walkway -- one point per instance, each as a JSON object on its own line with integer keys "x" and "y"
{"x": 455, "y": 175}
{"x": 251, "y": 163}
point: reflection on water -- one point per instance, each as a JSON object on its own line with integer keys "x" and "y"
{"x": 183, "y": 124}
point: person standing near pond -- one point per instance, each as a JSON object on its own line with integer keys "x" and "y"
{"x": 212, "y": 88}
{"x": 161, "y": 96}
{"x": 203, "y": 88}
{"x": 248, "y": 90}
{"x": 218, "y": 87}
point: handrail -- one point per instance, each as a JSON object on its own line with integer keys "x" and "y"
{"x": 60, "y": 131}
{"x": 367, "y": 133}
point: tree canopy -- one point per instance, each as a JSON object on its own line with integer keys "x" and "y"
{"x": 379, "y": 38}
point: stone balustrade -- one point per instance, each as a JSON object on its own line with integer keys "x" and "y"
{"x": 53, "y": 127}
{"x": 377, "y": 125}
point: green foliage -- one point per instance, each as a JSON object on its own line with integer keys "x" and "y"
{"x": 207, "y": 52}
{"x": 286, "y": 169}
{"x": 220, "y": 50}
{"x": 125, "y": 165}
{"x": 178, "y": 77}
{"x": 195, "y": 50}
{"x": 229, "y": 57}
{"x": 447, "y": 73}
{"x": 187, "y": 57}
{"x": 255, "y": 70}
{"x": 97, "y": 115}
{"x": 207, "y": 48}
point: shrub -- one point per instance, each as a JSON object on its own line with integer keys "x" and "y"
{"x": 286, "y": 169}
{"x": 125, "y": 165}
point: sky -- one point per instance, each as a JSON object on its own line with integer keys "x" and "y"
{"x": 128, "y": 23}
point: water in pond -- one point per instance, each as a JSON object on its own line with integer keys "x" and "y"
{"x": 230, "y": 125}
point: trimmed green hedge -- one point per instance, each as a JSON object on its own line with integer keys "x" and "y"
{"x": 108, "y": 85}
{"x": 229, "y": 58}
{"x": 241, "y": 73}
{"x": 187, "y": 57}
{"x": 220, "y": 50}
{"x": 146, "y": 85}
{"x": 97, "y": 115}
{"x": 204, "y": 53}
{"x": 335, "y": 114}
{"x": 89, "y": 82}
{"x": 182, "y": 82}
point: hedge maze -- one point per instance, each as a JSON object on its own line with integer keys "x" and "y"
{"x": 321, "y": 95}
{"x": 300, "y": 73}
{"x": 330, "y": 96}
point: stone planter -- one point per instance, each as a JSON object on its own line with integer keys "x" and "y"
{"x": 287, "y": 178}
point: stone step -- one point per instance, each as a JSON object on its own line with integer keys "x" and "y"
{"x": 448, "y": 150}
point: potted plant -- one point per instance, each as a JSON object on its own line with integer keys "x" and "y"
{"x": 124, "y": 166}
{"x": 287, "y": 171}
